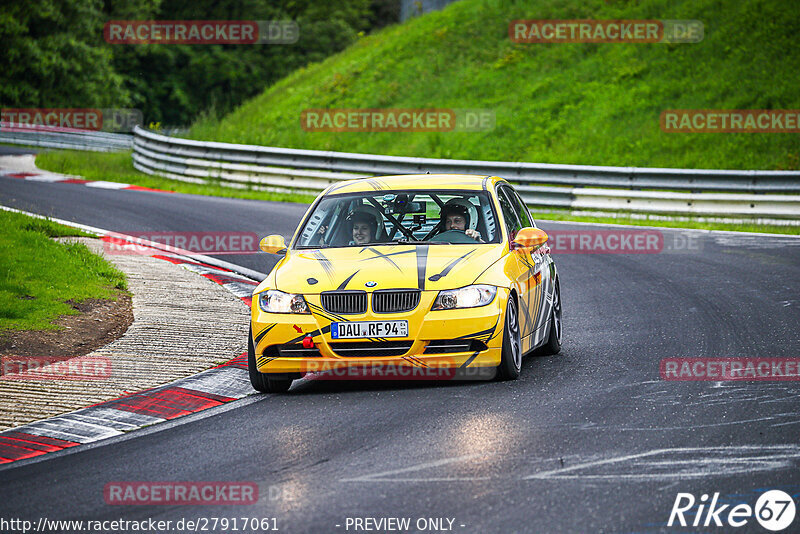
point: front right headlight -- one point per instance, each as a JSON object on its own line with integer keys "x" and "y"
{"x": 465, "y": 297}
{"x": 274, "y": 301}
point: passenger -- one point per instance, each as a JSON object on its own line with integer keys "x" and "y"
{"x": 364, "y": 227}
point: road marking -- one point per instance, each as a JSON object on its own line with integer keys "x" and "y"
{"x": 700, "y": 462}
{"x": 380, "y": 477}
{"x": 102, "y": 184}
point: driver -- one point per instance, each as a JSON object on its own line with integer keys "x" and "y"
{"x": 456, "y": 217}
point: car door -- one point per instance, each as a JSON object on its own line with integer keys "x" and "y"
{"x": 520, "y": 266}
{"x": 532, "y": 270}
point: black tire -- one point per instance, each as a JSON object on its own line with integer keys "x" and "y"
{"x": 511, "y": 353}
{"x": 554, "y": 336}
{"x": 263, "y": 382}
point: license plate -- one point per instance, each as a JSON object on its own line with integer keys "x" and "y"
{"x": 363, "y": 329}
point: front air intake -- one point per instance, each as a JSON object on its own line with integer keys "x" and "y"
{"x": 370, "y": 349}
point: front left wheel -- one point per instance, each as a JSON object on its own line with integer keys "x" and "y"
{"x": 263, "y": 382}
{"x": 511, "y": 353}
{"x": 553, "y": 343}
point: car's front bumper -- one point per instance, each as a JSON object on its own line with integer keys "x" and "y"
{"x": 276, "y": 335}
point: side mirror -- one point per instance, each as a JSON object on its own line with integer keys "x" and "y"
{"x": 274, "y": 244}
{"x": 529, "y": 237}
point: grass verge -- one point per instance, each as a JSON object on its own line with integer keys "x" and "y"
{"x": 576, "y": 103}
{"x": 38, "y": 275}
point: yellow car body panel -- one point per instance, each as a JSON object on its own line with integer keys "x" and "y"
{"x": 390, "y": 266}
{"x": 413, "y": 266}
{"x": 423, "y": 327}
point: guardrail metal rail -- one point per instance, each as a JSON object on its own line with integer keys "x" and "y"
{"x": 692, "y": 192}
{"x": 751, "y": 194}
{"x": 67, "y": 139}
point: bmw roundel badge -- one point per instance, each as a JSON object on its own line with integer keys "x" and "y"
{"x": 371, "y": 284}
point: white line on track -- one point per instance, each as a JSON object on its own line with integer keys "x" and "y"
{"x": 376, "y": 477}
{"x": 699, "y": 462}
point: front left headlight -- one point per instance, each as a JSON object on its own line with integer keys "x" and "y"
{"x": 465, "y": 297}
{"x": 274, "y": 301}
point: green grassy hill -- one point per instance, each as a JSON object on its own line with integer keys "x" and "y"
{"x": 554, "y": 103}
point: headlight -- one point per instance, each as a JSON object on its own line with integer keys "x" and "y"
{"x": 465, "y": 297}
{"x": 274, "y": 301}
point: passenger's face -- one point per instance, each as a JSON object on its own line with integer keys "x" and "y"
{"x": 361, "y": 233}
{"x": 455, "y": 222}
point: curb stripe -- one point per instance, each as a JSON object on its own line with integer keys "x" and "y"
{"x": 60, "y": 179}
{"x": 20, "y": 445}
{"x": 207, "y": 389}
{"x": 169, "y": 402}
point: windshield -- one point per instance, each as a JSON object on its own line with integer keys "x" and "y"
{"x": 389, "y": 217}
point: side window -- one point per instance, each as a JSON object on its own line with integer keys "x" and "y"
{"x": 321, "y": 214}
{"x": 519, "y": 207}
{"x": 509, "y": 214}
{"x": 492, "y": 232}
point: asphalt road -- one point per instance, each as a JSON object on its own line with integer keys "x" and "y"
{"x": 13, "y": 150}
{"x": 589, "y": 440}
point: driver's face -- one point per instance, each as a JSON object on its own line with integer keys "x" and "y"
{"x": 455, "y": 222}
{"x": 361, "y": 233}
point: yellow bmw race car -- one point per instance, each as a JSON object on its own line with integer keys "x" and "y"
{"x": 435, "y": 275}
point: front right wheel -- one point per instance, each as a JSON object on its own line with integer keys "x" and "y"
{"x": 511, "y": 353}
{"x": 263, "y": 382}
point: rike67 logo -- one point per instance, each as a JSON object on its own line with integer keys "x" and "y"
{"x": 774, "y": 510}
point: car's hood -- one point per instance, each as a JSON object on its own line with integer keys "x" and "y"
{"x": 427, "y": 267}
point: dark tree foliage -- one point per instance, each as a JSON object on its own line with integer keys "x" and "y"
{"x": 54, "y": 54}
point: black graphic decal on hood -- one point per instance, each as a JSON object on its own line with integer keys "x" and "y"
{"x": 327, "y": 266}
{"x": 422, "y": 262}
{"x": 448, "y": 267}
{"x": 379, "y": 254}
{"x": 347, "y": 281}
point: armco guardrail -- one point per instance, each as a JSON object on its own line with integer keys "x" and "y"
{"x": 699, "y": 192}
{"x": 72, "y": 139}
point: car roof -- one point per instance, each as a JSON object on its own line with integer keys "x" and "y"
{"x": 416, "y": 181}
